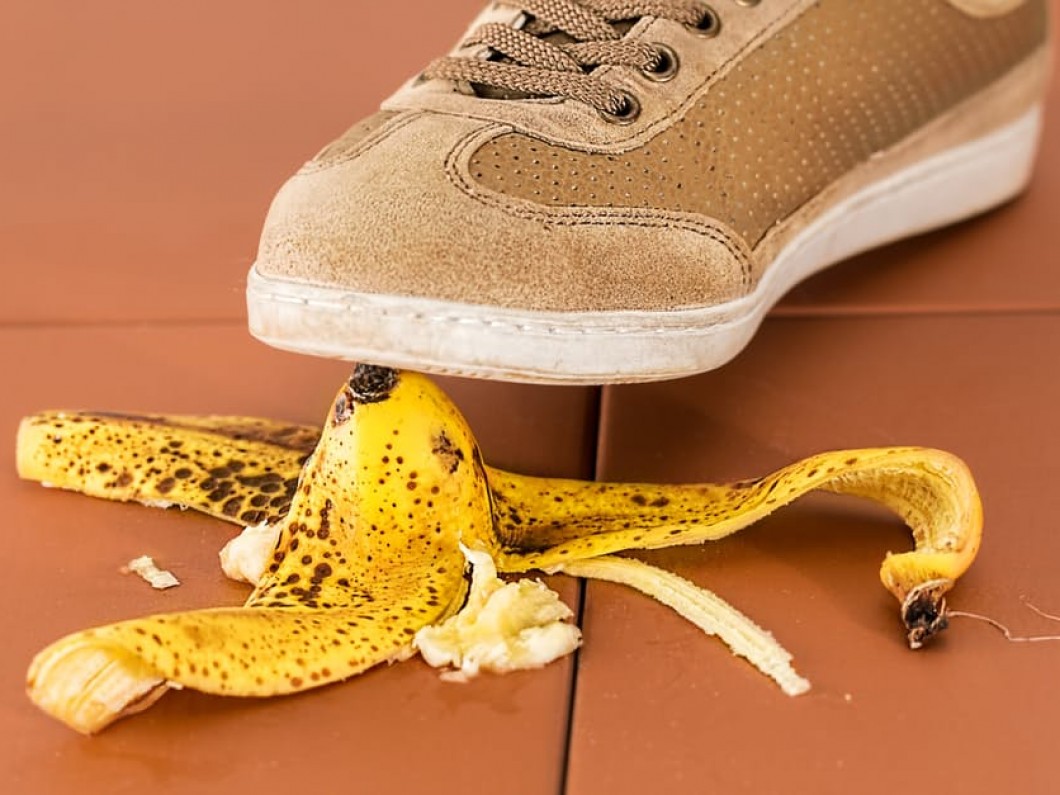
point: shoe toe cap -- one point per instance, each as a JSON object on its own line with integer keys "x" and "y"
{"x": 388, "y": 213}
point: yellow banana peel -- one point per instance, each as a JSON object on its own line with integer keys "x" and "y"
{"x": 364, "y": 529}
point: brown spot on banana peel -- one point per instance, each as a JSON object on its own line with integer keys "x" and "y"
{"x": 444, "y": 447}
{"x": 343, "y": 410}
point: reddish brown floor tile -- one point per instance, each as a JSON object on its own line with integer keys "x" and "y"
{"x": 661, "y": 708}
{"x": 142, "y": 146}
{"x": 141, "y": 151}
{"x": 1007, "y": 259}
{"x": 395, "y": 729}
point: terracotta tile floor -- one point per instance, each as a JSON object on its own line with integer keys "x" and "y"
{"x": 140, "y": 151}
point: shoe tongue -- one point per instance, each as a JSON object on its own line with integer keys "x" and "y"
{"x": 552, "y": 37}
{"x": 622, "y": 27}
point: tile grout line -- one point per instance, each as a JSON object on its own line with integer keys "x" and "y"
{"x": 596, "y": 412}
{"x": 838, "y": 312}
{"x": 572, "y": 694}
{"x": 141, "y": 323}
{"x": 900, "y": 313}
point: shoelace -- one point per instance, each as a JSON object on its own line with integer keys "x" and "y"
{"x": 554, "y": 53}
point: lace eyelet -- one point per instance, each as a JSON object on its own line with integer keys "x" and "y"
{"x": 709, "y": 24}
{"x": 667, "y": 66}
{"x": 627, "y": 114}
{"x": 748, "y": 3}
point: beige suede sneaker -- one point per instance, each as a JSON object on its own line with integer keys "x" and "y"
{"x": 593, "y": 191}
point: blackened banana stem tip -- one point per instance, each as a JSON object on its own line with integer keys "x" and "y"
{"x": 368, "y": 383}
{"x": 372, "y": 383}
{"x": 924, "y": 611}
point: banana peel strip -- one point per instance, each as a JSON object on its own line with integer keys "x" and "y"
{"x": 705, "y": 609}
{"x": 372, "y": 519}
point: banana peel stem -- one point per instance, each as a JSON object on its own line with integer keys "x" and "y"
{"x": 706, "y": 610}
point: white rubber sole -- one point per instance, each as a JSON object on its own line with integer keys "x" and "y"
{"x": 616, "y": 347}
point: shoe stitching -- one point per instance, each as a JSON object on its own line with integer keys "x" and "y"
{"x": 546, "y": 327}
{"x": 369, "y": 142}
{"x": 636, "y": 217}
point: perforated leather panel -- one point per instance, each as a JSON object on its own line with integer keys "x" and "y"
{"x": 847, "y": 79}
